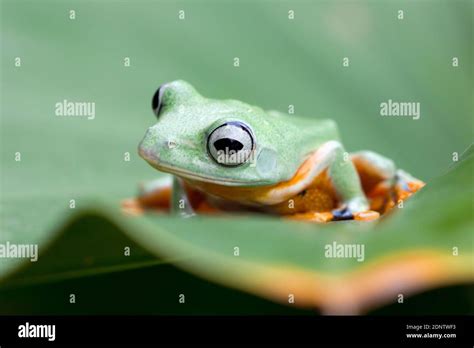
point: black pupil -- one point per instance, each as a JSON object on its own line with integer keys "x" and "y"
{"x": 155, "y": 102}
{"x": 229, "y": 144}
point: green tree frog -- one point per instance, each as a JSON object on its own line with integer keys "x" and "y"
{"x": 226, "y": 155}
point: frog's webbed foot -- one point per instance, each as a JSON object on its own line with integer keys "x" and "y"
{"x": 152, "y": 195}
{"x": 346, "y": 214}
{"x": 335, "y": 215}
{"x": 342, "y": 214}
{"x": 406, "y": 185}
{"x": 320, "y": 217}
{"x": 355, "y": 209}
{"x": 167, "y": 194}
{"x": 383, "y": 183}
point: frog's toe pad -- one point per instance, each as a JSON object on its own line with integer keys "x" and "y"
{"x": 346, "y": 214}
{"x": 342, "y": 214}
{"x": 368, "y": 215}
{"x": 404, "y": 189}
{"x": 320, "y": 217}
{"x": 407, "y": 183}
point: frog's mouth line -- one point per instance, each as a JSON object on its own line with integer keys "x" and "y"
{"x": 188, "y": 175}
{"x": 159, "y": 165}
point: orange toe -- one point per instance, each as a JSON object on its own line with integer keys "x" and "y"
{"x": 366, "y": 215}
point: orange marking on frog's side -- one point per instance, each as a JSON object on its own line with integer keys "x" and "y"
{"x": 257, "y": 194}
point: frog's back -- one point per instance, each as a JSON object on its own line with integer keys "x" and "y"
{"x": 308, "y": 133}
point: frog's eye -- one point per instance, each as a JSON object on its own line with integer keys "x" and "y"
{"x": 157, "y": 101}
{"x": 231, "y": 144}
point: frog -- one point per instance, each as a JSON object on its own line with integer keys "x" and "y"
{"x": 226, "y": 156}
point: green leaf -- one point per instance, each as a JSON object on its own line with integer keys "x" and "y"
{"x": 407, "y": 252}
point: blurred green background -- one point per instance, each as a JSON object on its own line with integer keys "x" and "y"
{"x": 282, "y": 62}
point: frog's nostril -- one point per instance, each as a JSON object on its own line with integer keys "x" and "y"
{"x": 228, "y": 144}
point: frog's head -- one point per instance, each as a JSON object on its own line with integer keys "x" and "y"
{"x": 224, "y": 142}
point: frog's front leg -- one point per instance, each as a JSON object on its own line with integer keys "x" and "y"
{"x": 346, "y": 182}
{"x": 165, "y": 194}
{"x": 331, "y": 162}
{"x": 180, "y": 203}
